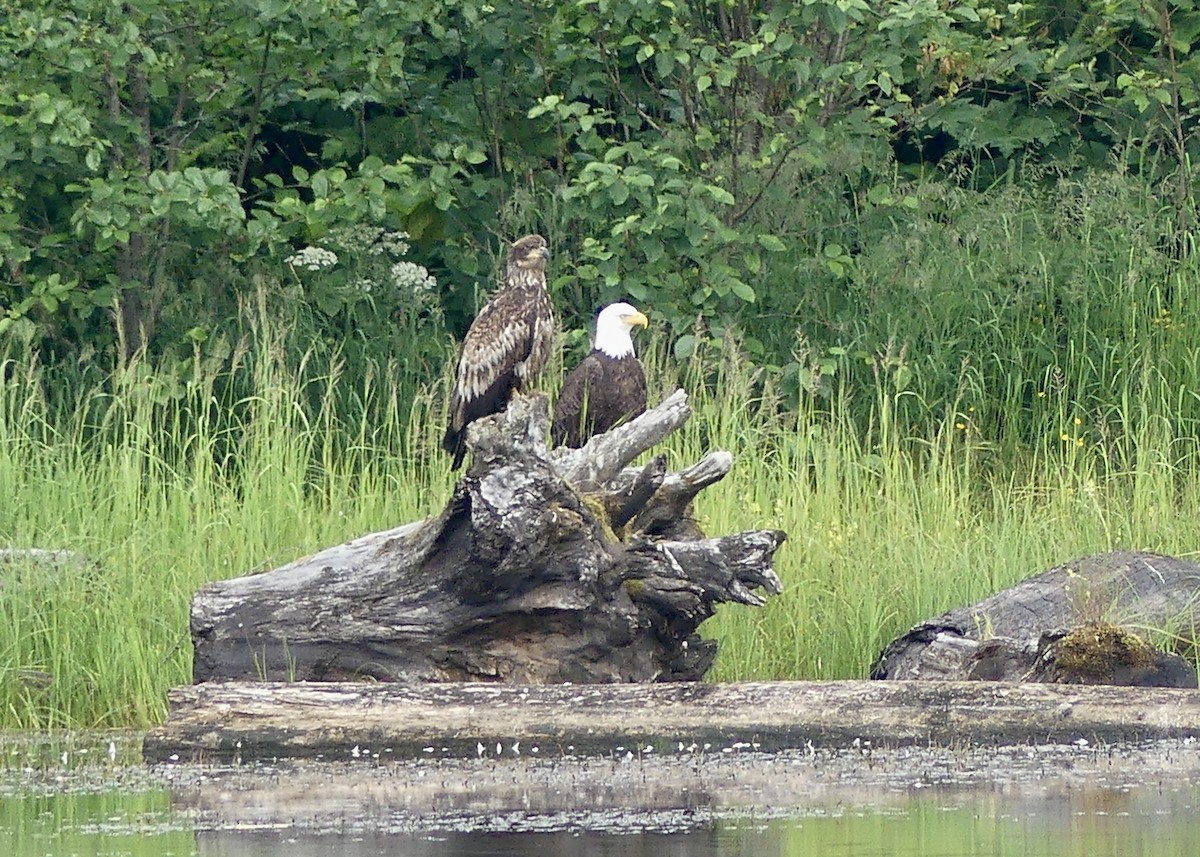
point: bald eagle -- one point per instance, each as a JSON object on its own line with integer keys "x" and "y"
{"x": 608, "y": 386}
{"x": 506, "y": 346}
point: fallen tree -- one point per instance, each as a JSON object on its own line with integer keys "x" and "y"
{"x": 343, "y": 721}
{"x": 544, "y": 566}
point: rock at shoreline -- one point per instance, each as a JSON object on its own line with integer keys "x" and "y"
{"x": 1080, "y": 623}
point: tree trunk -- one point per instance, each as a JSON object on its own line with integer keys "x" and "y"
{"x": 543, "y": 567}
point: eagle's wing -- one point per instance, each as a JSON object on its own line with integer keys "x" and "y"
{"x": 498, "y": 339}
{"x": 637, "y": 390}
{"x": 569, "y": 408}
{"x": 542, "y": 331}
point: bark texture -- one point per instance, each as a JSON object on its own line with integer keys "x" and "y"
{"x": 1078, "y": 623}
{"x": 344, "y": 721}
{"x": 543, "y": 567}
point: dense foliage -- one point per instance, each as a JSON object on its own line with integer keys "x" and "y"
{"x": 951, "y": 191}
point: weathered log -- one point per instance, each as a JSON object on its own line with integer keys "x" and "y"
{"x": 341, "y": 720}
{"x": 1036, "y": 630}
{"x": 624, "y": 503}
{"x": 522, "y": 577}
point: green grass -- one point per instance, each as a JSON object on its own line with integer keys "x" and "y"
{"x": 885, "y": 528}
{"x": 161, "y": 494}
{"x": 999, "y": 384}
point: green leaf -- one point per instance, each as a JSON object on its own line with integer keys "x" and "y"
{"x": 880, "y": 194}
{"x": 637, "y": 291}
{"x": 720, "y": 194}
{"x": 685, "y": 346}
{"x": 742, "y": 290}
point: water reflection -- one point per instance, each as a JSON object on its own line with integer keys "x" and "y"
{"x": 561, "y": 844}
{"x": 1040, "y": 801}
{"x": 138, "y": 825}
{"x": 1088, "y": 822}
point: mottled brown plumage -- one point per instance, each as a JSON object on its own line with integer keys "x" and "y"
{"x": 607, "y": 387}
{"x": 507, "y": 345}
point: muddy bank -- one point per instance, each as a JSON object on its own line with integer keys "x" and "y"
{"x": 336, "y": 721}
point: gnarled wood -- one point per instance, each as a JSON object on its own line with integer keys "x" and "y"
{"x": 520, "y": 578}
{"x": 599, "y": 461}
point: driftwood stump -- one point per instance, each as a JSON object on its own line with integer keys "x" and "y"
{"x": 544, "y": 566}
{"x": 1084, "y": 622}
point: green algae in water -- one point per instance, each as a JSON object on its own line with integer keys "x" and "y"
{"x": 136, "y": 825}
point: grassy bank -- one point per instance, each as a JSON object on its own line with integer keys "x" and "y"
{"x": 160, "y": 487}
{"x": 887, "y": 528}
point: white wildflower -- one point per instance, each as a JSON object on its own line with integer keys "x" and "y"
{"x": 356, "y": 236}
{"x": 372, "y": 240}
{"x": 408, "y": 276}
{"x": 364, "y": 285}
{"x": 312, "y": 259}
{"x": 395, "y": 244}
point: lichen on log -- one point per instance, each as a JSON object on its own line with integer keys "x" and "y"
{"x": 544, "y": 566}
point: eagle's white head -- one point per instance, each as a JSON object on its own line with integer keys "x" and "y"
{"x": 613, "y": 327}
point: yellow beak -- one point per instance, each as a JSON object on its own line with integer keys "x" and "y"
{"x": 637, "y": 318}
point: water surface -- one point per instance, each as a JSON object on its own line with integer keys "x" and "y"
{"x": 1058, "y": 801}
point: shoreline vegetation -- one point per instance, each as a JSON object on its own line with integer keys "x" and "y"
{"x": 164, "y": 482}
{"x": 928, "y": 270}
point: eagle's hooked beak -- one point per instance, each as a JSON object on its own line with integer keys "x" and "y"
{"x": 637, "y": 318}
{"x": 544, "y": 252}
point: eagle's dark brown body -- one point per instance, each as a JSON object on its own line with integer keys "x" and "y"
{"x": 507, "y": 346}
{"x": 599, "y": 393}
{"x": 607, "y": 387}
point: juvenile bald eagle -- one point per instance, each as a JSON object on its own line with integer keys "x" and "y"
{"x": 506, "y": 346}
{"x": 608, "y": 386}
